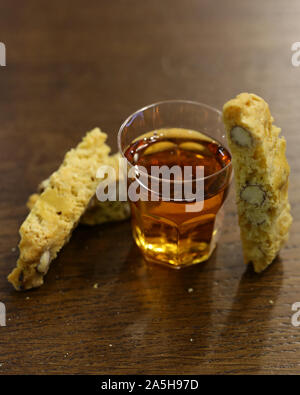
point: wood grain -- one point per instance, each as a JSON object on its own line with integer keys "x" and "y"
{"x": 72, "y": 67}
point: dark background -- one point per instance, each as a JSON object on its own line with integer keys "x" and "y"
{"x": 73, "y": 65}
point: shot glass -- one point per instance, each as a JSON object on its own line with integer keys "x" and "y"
{"x": 171, "y": 230}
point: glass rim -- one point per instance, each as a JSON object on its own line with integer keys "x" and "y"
{"x": 142, "y": 109}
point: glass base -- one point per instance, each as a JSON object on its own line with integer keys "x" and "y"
{"x": 176, "y": 257}
{"x": 177, "y": 265}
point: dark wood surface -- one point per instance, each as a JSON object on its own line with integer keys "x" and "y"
{"x": 75, "y": 65}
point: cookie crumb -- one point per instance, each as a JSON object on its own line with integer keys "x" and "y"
{"x": 190, "y": 290}
{"x": 95, "y": 285}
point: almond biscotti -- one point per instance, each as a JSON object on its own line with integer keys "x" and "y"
{"x": 97, "y": 212}
{"x": 261, "y": 178}
{"x": 108, "y": 211}
{"x": 58, "y": 209}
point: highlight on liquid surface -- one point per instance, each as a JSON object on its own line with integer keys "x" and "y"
{"x": 165, "y": 231}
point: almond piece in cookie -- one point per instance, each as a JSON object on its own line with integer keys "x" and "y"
{"x": 241, "y": 136}
{"x": 58, "y": 209}
{"x": 261, "y": 178}
{"x": 253, "y": 194}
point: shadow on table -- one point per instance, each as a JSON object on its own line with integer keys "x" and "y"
{"x": 190, "y": 320}
{"x": 243, "y": 340}
{"x": 169, "y": 309}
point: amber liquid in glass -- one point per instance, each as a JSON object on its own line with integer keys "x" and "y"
{"x": 164, "y": 230}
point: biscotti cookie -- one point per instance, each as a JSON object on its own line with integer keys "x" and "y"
{"x": 97, "y": 212}
{"x": 58, "y": 209}
{"x": 261, "y": 178}
{"x": 108, "y": 211}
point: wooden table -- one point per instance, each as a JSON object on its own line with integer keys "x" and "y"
{"x": 71, "y": 67}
